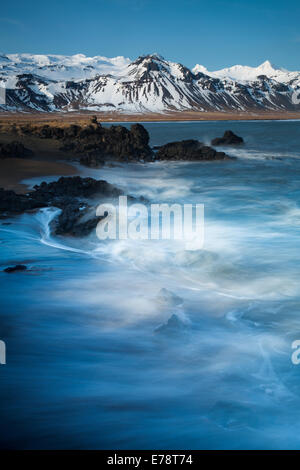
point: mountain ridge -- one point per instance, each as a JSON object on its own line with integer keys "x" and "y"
{"x": 150, "y": 83}
{"x": 248, "y": 73}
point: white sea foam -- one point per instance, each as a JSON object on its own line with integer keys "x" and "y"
{"x": 91, "y": 322}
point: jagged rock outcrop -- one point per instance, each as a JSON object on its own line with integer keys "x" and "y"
{"x": 189, "y": 150}
{"x": 75, "y": 220}
{"x": 11, "y": 203}
{"x": 174, "y": 326}
{"x": 76, "y": 197}
{"x": 229, "y": 138}
{"x": 94, "y": 143}
{"x": 117, "y": 142}
{"x": 73, "y": 187}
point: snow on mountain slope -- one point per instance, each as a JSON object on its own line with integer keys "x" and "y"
{"x": 244, "y": 73}
{"x": 59, "y": 67}
{"x": 148, "y": 84}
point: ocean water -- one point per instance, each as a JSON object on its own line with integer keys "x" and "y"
{"x": 92, "y": 358}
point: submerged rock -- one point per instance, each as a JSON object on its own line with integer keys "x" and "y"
{"x": 76, "y": 221}
{"x": 17, "y": 267}
{"x": 173, "y": 326}
{"x": 168, "y": 298}
{"x": 229, "y": 138}
{"x": 188, "y": 150}
{"x": 232, "y": 415}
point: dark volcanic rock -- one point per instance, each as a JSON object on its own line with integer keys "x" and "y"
{"x": 117, "y": 142}
{"x": 14, "y": 150}
{"x": 190, "y": 150}
{"x": 77, "y": 218}
{"x": 82, "y": 229}
{"x": 44, "y": 132}
{"x": 74, "y": 186}
{"x": 73, "y": 221}
{"x": 67, "y": 219}
{"x": 17, "y": 267}
{"x": 13, "y": 203}
{"x": 92, "y": 160}
{"x": 229, "y": 138}
{"x": 140, "y": 137}
{"x": 167, "y": 297}
{"x": 96, "y": 143}
{"x": 173, "y": 326}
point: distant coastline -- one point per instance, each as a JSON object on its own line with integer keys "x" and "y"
{"x": 175, "y": 116}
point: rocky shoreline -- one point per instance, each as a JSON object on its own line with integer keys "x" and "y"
{"x": 76, "y": 197}
{"x": 94, "y": 146}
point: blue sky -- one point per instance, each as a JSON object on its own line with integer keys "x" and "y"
{"x": 213, "y": 33}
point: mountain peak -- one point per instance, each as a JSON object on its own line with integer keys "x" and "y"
{"x": 146, "y": 64}
{"x": 149, "y": 57}
{"x": 199, "y": 68}
{"x": 156, "y": 55}
{"x": 245, "y": 73}
{"x": 267, "y": 65}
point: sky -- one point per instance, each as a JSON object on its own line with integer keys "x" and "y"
{"x": 213, "y": 33}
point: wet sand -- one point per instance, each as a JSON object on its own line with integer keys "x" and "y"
{"x": 14, "y": 170}
{"x": 47, "y": 160}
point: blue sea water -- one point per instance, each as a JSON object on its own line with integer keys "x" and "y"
{"x": 88, "y": 364}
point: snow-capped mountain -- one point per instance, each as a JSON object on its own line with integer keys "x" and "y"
{"x": 243, "y": 73}
{"x": 148, "y": 84}
{"x": 60, "y": 67}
